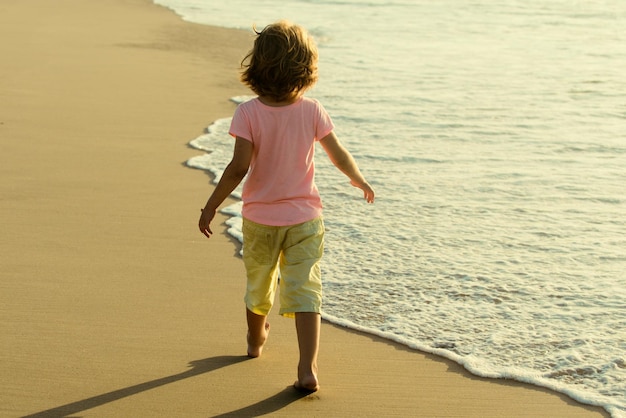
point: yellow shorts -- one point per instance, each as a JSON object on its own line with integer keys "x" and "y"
{"x": 292, "y": 251}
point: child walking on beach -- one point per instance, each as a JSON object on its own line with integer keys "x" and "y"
{"x": 283, "y": 230}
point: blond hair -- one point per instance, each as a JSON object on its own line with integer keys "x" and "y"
{"x": 282, "y": 63}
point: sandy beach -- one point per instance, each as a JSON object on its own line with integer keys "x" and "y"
{"x": 112, "y": 304}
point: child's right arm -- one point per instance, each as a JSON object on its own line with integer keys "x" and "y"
{"x": 343, "y": 160}
{"x": 232, "y": 176}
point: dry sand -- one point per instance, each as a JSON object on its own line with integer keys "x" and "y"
{"x": 111, "y": 302}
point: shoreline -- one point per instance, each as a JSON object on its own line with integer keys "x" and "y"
{"x": 112, "y": 303}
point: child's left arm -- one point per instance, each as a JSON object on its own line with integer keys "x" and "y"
{"x": 233, "y": 174}
{"x": 343, "y": 160}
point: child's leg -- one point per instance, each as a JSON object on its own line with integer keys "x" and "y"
{"x": 258, "y": 330}
{"x": 308, "y": 326}
{"x": 260, "y": 256}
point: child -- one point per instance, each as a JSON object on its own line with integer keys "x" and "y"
{"x": 275, "y": 136}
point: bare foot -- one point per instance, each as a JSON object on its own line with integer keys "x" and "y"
{"x": 255, "y": 347}
{"x": 308, "y": 384}
{"x": 307, "y": 381}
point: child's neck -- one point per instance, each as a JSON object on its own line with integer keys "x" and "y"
{"x": 271, "y": 102}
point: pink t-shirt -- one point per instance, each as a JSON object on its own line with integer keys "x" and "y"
{"x": 280, "y": 189}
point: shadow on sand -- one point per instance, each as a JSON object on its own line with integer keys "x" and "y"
{"x": 198, "y": 367}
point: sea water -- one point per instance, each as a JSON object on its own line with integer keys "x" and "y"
{"x": 494, "y": 133}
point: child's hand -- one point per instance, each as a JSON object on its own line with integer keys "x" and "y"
{"x": 368, "y": 192}
{"x": 205, "y": 221}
